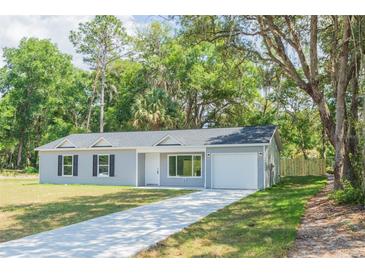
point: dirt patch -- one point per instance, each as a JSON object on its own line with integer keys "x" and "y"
{"x": 330, "y": 230}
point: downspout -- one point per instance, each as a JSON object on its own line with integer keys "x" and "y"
{"x": 264, "y": 165}
{"x": 205, "y": 168}
{"x": 137, "y": 171}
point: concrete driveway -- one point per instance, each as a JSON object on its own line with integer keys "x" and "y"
{"x": 125, "y": 233}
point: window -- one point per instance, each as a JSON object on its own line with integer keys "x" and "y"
{"x": 184, "y": 165}
{"x": 103, "y": 165}
{"x": 67, "y": 165}
{"x": 172, "y": 165}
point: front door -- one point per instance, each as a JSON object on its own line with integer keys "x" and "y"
{"x": 152, "y": 169}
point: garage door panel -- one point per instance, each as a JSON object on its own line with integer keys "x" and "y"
{"x": 234, "y": 170}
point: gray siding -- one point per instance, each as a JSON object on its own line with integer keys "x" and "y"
{"x": 272, "y": 157}
{"x": 186, "y": 182}
{"x": 141, "y": 169}
{"x": 125, "y": 168}
{"x": 126, "y": 172}
{"x": 260, "y": 161}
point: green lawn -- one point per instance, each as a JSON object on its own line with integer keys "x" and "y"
{"x": 11, "y": 173}
{"x": 27, "y": 207}
{"x": 261, "y": 225}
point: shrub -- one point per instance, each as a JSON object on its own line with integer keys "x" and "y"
{"x": 30, "y": 169}
{"x": 349, "y": 195}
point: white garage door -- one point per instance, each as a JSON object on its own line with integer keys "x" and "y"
{"x": 234, "y": 170}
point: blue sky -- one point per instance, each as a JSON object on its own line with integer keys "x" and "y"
{"x": 56, "y": 28}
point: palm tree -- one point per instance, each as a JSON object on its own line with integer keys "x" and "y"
{"x": 154, "y": 110}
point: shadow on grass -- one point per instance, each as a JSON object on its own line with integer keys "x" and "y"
{"x": 34, "y": 218}
{"x": 261, "y": 225}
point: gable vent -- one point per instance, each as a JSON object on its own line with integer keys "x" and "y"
{"x": 168, "y": 141}
{"x": 101, "y": 142}
{"x": 65, "y": 144}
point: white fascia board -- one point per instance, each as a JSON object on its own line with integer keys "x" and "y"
{"x": 153, "y": 149}
{"x": 171, "y": 149}
{"x": 139, "y": 149}
{"x": 85, "y": 149}
{"x": 240, "y": 145}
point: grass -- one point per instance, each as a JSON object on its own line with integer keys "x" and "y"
{"x": 261, "y": 225}
{"x": 10, "y": 173}
{"x": 27, "y": 207}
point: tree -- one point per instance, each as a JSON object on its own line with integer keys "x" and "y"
{"x": 208, "y": 84}
{"x": 129, "y": 79}
{"x": 33, "y": 74}
{"x": 8, "y": 142}
{"x": 155, "y": 110}
{"x": 320, "y": 54}
{"x": 68, "y": 111}
{"x": 284, "y": 35}
{"x": 299, "y": 122}
{"x": 102, "y": 41}
{"x": 302, "y": 73}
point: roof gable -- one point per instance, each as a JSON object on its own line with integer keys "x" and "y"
{"x": 277, "y": 139}
{"x": 65, "y": 144}
{"x": 101, "y": 142}
{"x": 168, "y": 140}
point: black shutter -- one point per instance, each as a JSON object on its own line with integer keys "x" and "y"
{"x": 112, "y": 160}
{"x": 59, "y": 165}
{"x": 76, "y": 165}
{"x": 95, "y": 165}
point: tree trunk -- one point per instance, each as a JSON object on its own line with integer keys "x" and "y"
{"x": 304, "y": 154}
{"x": 323, "y": 152}
{"x": 88, "y": 120}
{"x": 363, "y": 153}
{"x": 188, "y": 111}
{"x": 102, "y": 98}
{"x": 340, "y": 106}
{"x": 347, "y": 169}
{"x": 324, "y": 114}
{"x": 352, "y": 151}
{"x": 20, "y": 151}
{"x": 10, "y": 161}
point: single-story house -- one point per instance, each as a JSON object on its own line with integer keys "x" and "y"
{"x": 227, "y": 158}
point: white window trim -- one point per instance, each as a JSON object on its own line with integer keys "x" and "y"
{"x": 72, "y": 166}
{"x": 192, "y": 165}
{"x": 108, "y": 165}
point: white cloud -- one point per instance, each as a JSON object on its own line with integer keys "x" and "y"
{"x": 56, "y": 28}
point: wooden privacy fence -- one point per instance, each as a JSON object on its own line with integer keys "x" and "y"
{"x": 302, "y": 167}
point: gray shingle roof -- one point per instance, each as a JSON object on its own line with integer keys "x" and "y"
{"x": 187, "y": 137}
